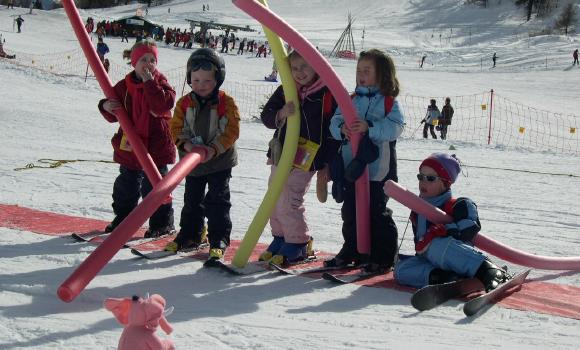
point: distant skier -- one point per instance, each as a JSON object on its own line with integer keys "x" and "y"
{"x": 575, "y": 55}
{"x": 19, "y": 21}
{"x": 445, "y": 118}
{"x": 102, "y": 49}
{"x": 274, "y": 75}
{"x": 494, "y": 58}
{"x": 431, "y": 118}
{"x": 422, "y": 61}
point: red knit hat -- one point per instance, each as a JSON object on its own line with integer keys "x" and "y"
{"x": 446, "y": 166}
{"x": 138, "y": 51}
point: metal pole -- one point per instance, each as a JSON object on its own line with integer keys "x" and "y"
{"x": 490, "y": 112}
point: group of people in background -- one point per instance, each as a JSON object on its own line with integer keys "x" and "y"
{"x": 207, "y": 121}
{"x": 436, "y": 119}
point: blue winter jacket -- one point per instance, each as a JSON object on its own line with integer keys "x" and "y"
{"x": 370, "y": 106}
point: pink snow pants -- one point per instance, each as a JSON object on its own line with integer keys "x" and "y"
{"x": 288, "y": 219}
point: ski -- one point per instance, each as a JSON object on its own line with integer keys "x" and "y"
{"x": 249, "y": 269}
{"x": 433, "y": 295}
{"x": 160, "y": 254}
{"x": 87, "y": 237}
{"x": 98, "y": 237}
{"x": 474, "y": 305}
{"x": 345, "y": 278}
{"x": 296, "y": 270}
{"x": 219, "y": 264}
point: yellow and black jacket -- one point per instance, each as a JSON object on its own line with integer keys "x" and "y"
{"x": 215, "y": 124}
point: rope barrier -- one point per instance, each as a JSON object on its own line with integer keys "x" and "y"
{"x": 513, "y": 124}
{"x": 55, "y": 163}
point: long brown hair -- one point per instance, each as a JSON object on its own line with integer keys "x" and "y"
{"x": 386, "y": 77}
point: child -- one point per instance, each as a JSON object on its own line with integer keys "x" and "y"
{"x": 106, "y": 65}
{"x": 208, "y": 118}
{"x": 445, "y": 252}
{"x": 431, "y": 118}
{"x": 148, "y": 98}
{"x": 288, "y": 222}
{"x": 102, "y": 49}
{"x": 380, "y": 122}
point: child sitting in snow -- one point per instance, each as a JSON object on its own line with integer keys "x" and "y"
{"x": 445, "y": 252}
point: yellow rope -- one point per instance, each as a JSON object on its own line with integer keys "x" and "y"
{"x": 55, "y": 163}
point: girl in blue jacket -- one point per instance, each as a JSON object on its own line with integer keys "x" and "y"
{"x": 380, "y": 121}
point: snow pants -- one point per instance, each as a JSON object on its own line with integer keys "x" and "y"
{"x": 431, "y": 129}
{"x": 214, "y": 205}
{"x": 129, "y": 186}
{"x": 446, "y": 253}
{"x": 288, "y": 219}
{"x": 383, "y": 229}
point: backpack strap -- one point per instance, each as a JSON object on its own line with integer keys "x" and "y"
{"x": 327, "y": 105}
{"x": 448, "y": 206}
{"x": 389, "y": 101}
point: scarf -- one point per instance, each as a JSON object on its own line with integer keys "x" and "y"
{"x": 139, "y": 107}
{"x": 438, "y": 202}
{"x": 306, "y": 90}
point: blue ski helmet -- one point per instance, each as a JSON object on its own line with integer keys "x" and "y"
{"x": 201, "y": 57}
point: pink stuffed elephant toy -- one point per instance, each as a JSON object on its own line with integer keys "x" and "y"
{"x": 141, "y": 318}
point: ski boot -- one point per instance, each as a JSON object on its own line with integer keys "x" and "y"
{"x": 181, "y": 242}
{"x": 291, "y": 253}
{"x": 491, "y": 275}
{"x": 116, "y": 221}
{"x": 161, "y": 231}
{"x": 344, "y": 258}
{"x": 216, "y": 254}
{"x": 272, "y": 249}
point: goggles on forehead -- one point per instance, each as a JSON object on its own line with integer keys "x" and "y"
{"x": 203, "y": 65}
{"x": 428, "y": 178}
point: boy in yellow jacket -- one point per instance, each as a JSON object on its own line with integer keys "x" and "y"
{"x": 206, "y": 117}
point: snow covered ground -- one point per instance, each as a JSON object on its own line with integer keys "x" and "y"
{"x": 531, "y": 208}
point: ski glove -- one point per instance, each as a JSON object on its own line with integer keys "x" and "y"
{"x": 434, "y": 231}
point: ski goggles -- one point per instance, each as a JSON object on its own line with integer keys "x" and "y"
{"x": 428, "y": 178}
{"x": 203, "y": 65}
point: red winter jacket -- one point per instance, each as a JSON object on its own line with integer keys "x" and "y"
{"x": 159, "y": 98}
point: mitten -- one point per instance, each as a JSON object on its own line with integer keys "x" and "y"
{"x": 434, "y": 231}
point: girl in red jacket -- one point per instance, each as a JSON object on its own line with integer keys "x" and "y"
{"x": 148, "y": 99}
